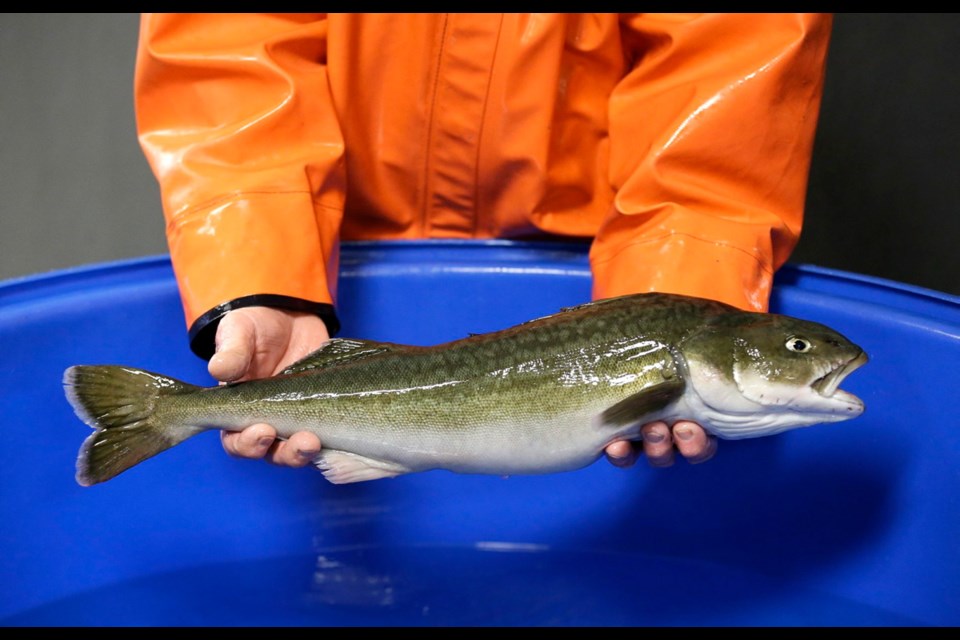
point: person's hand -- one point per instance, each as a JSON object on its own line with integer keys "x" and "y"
{"x": 257, "y": 342}
{"x": 659, "y": 443}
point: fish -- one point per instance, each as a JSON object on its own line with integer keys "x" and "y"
{"x": 544, "y": 396}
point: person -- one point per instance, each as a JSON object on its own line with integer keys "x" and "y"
{"x": 678, "y": 144}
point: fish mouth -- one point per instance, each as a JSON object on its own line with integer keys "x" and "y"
{"x": 828, "y": 384}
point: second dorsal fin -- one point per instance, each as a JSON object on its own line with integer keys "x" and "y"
{"x": 339, "y": 351}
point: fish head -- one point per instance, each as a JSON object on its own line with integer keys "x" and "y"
{"x": 759, "y": 374}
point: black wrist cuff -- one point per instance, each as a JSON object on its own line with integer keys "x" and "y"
{"x": 204, "y": 330}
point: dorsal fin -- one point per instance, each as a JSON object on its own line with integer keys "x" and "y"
{"x": 338, "y": 351}
{"x": 592, "y": 303}
{"x": 576, "y": 306}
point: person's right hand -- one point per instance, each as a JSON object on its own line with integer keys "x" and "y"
{"x": 258, "y": 342}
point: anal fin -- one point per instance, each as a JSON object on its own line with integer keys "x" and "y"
{"x": 343, "y": 467}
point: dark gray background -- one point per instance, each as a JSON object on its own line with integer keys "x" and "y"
{"x": 883, "y": 190}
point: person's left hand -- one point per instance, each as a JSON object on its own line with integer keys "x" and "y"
{"x": 661, "y": 441}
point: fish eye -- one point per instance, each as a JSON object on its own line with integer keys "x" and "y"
{"x": 800, "y": 345}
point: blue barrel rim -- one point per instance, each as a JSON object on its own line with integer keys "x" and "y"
{"x": 30, "y": 285}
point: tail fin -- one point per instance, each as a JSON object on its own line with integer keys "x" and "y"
{"x": 120, "y": 403}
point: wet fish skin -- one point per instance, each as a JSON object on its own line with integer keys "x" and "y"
{"x": 544, "y": 396}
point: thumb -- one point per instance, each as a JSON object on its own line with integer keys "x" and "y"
{"x": 235, "y": 344}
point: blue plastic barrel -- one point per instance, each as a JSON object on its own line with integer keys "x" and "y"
{"x": 854, "y": 523}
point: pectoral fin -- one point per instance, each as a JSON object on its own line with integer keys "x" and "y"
{"x": 651, "y": 399}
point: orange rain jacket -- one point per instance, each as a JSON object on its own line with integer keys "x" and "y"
{"x": 680, "y": 143}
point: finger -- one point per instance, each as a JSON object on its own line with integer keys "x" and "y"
{"x": 693, "y": 442}
{"x": 253, "y": 442}
{"x": 657, "y": 444}
{"x": 622, "y": 453}
{"x": 235, "y": 344}
{"x": 297, "y": 451}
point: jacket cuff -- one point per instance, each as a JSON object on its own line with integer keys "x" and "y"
{"x": 203, "y": 332}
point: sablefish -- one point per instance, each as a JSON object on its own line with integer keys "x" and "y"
{"x": 544, "y": 396}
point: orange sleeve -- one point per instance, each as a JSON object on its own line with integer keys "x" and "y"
{"x": 711, "y": 135}
{"x": 235, "y": 117}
